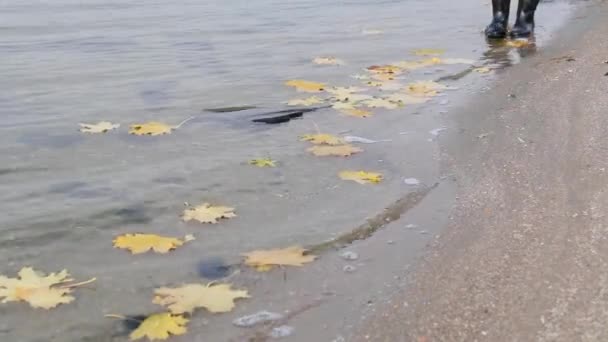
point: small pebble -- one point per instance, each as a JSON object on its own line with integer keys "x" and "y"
{"x": 282, "y": 331}
{"x": 349, "y": 255}
{"x": 349, "y": 269}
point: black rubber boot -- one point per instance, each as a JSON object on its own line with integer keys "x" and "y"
{"x": 524, "y": 24}
{"x": 498, "y": 27}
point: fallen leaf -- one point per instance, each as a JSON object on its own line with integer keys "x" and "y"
{"x": 424, "y": 88}
{"x": 391, "y": 86}
{"x": 360, "y": 113}
{"x": 160, "y": 326}
{"x": 100, "y": 127}
{"x": 306, "y": 86}
{"x": 38, "y": 290}
{"x": 385, "y": 69}
{"x": 338, "y": 151}
{"x": 206, "y": 213}
{"x": 343, "y": 93}
{"x": 309, "y": 101}
{"x": 322, "y": 139}
{"x": 327, "y": 61}
{"x": 406, "y": 99}
{"x": 263, "y": 162}
{"x": 517, "y": 43}
{"x": 263, "y": 260}
{"x": 482, "y": 70}
{"x": 361, "y": 177}
{"x": 215, "y": 298}
{"x": 380, "y": 103}
{"x": 151, "y": 128}
{"x": 141, "y": 243}
{"x": 428, "y": 52}
{"x": 374, "y": 83}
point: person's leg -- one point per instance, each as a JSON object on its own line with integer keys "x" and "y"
{"x": 524, "y": 24}
{"x": 500, "y": 12}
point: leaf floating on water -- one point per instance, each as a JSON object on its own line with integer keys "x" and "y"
{"x": 309, "y": 101}
{"x": 328, "y": 61}
{"x": 517, "y": 43}
{"x": 374, "y": 83}
{"x": 424, "y": 88}
{"x": 361, "y": 177}
{"x": 322, "y": 139}
{"x": 306, "y": 86}
{"x": 141, "y": 243}
{"x": 344, "y": 93}
{"x": 263, "y": 162}
{"x": 360, "y": 113}
{"x": 264, "y": 260}
{"x": 100, "y": 127}
{"x": 385, "y": 69}
{"x": 206, "y": 213}
{"x": 380, "y": 103}
{"x": 482, "y": 70}
{"x": 337, "y": 151}
{"x": 151, "y": 128}
{"x": 215, "y": 298}
{"x": 428, "y": 52}
{"x": 37, "y": 289}
{"x": 160, "y": 326}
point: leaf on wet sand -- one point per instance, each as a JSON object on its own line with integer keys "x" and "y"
{"x": 344, "y": 93}
{"x": 263, "y": 162}
{"x": 309, "y": 101}
{"x": 385, "y": 69}
{"x": 100, "y": 127}
{"x": 361, "y": 177}
{"x": 322, "y": 139}
{"x": 37, "y": 289}
{"x": 264, "y": 260}
{"x": 328, "y": 61}
{"x": 140, "y": 243}
{"x": 380, "y": 103}
{"x": 215, "y": 298}
{"x": 306, "y": 86}
{"x": 336, "y": 151}
{"x": 360, "y": 113}
{"x": 206, "y": 213}
{"x": 160, "y": 326}
{"x": 428, "y": 52}
{"x": 151, "y": 128}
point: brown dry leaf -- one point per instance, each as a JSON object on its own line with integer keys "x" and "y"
{"x": 100, "y": 127}
{"x": 141, "y": 243}
{"x": 215, "y": 298}
{"x": 424, "y": 88}
{"x": 264, "y": 260}
{"x": 38, "y": 290}
{"x": 360, "y": 113}
{"x": 337, "y": 151}
{"x": 328, "y": 61}
{"x": 322, "y": 139}
{"x": 361, "y": 177}
{"x": 428, "y": 52}
{"x": 380, "y": 103}
{"x": 206, "y": 213}
{"x": 306, "y": 86}
{"x": 309, "y": 101}
{"x": 151, "y": 128}
{"x": 160, "y": 326}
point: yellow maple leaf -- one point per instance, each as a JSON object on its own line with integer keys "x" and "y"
{"x": 322, "y": 139}
{"x": 380, "y": 103}
{"x": 206, "y": 213}
{"x": 360, "y": 113}
{"x": 263, "y": 162}
{"x": 385, "y": 69}
{"x": 264, "y": 260}
{"x": 337, "y": 150}
{"x": 185, "y": 299}
{"x": 151, "y": 128}
{"x": 38, "y": 290}
{"x": 160, "y": 326}
{"x": 424, "y": 88}
{"x": 309, "y": 101}
{"x": 327, "y": 61}
{"x": 141, "y": 243}
{"x": 306, "y": 86}
{"x": 361, "y": 177}
{"x": 428, "y": 52}
{"x": 100, "y": 127}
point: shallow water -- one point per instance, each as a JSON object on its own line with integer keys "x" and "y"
{"x": 65, "y": 195}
